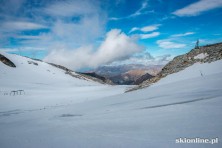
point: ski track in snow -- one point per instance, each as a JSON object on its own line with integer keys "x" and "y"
{"x": 177, "y": 103}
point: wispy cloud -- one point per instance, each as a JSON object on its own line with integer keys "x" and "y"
{"x": 24, "y": 49}
{"x": 20, "y": 26}
{"x": 70, "y": 8}
{"x": 146, "y": 28}
{"x": 134, "y": 29}
{"x": 198, "y": 7}
{"x": 183, "y": 34}
{"x": 9, "y": 49}
{"x": 30, "y": 37}
{"x": 150, "y": 28}
{"x": 150, "y": 35}
{"x": 143, "y": 31}
{"x": 167, "y": 44}
{"x": 138, "y": 12}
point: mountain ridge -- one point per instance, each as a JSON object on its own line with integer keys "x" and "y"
{"x": 126, "y": 74}
{"x": 203, "y": 54}
{"x": 6, "y": 60}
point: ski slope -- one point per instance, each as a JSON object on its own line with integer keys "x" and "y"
{"x": 46, "y": 85}
{"x": 60, "y": 111}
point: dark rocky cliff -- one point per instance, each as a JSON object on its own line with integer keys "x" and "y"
{"x": 96, "y": 77}
{"x": 143, "y": 78}
{"x": 6, "y": 61}
{"x": 84, "y": 76}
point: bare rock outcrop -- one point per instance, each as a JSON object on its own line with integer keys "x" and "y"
{"x": 6, "y": 61}
{"x": 203, "y": 54}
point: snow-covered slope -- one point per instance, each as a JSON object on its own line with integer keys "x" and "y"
{"x": 30, "y": 72}
{"x": 195, "y": 71}
{"x": 185, "y": 104}
{"x": 44, "y": 84}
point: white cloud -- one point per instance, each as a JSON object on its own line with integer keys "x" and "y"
{"x": 166, "y": 44}
{"x": 62, "y": 30}
{"x": 23, "y": 49}
{"x": 114, "y": 18}
{"x": 146, "y": 28}
{"x": 76, "y": 23}
{"x": 183, "y": 34}
{"x": 70, "y": 8}
{"x": 144, "y": 58}
{"x": 198, "y": 7}
{"x": 164, "y": 58}
{"x": 9, "y": 49}
{"x": 116, "y": 46}
{"x": 86, "y": 31}
{"x": 134, "y": 29}
{"x": 151, "y": 35}
{"x": 20, "y": 26}
{"x": 28, "y": 37}
{"x": 150, "y": 28}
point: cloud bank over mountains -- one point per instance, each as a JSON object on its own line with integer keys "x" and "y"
{"x": 116, "y": 46}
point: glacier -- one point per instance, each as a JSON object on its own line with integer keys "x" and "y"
{"x": 58, "y": 110}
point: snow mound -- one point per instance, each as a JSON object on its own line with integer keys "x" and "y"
{"x": 201, "y": 56}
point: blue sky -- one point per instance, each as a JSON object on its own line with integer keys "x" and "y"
{"x": 86, "y": 34}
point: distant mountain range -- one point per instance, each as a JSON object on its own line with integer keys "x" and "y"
{"x": 130, "y": 74}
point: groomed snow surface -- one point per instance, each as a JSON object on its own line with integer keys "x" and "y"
{"x": 59, "y": 111}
